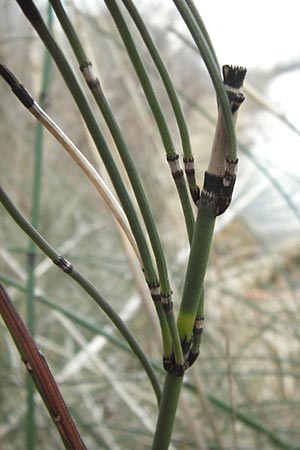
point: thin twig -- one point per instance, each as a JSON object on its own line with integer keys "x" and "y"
{"x": 40, "y": 372}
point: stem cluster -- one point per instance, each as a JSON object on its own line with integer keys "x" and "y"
{"x": 181, "y": 338}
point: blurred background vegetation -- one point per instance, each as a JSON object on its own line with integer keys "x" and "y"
{"x": 244, "y": 391}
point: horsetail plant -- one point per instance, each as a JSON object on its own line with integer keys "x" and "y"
{"x": 181, "y": 338}
{"x": 31, "y": 255}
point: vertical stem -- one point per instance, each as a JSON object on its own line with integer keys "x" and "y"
{"x": 213, "y": 70}
{"x": 31, "y": 252}
{"x": 196, "y": 269}
{"x": 167, "y": 412}
{"x": 155, "y": 107}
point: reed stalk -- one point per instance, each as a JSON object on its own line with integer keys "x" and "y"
{"x": 31, "y": 253}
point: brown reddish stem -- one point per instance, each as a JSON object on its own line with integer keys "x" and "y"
{"x": 40, "y": 372}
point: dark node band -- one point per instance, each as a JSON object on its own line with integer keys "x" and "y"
{"x": 94, "y": 83}
{"x": 168, "y": 363}
{"x": 172, "y": 368}
{"x": 23, "y": 95}
{"x": 156, "y": 297}
{"x": 177, "y": 174}
{"x": 235, "y": 100}
{"x": 87, "y": 70}
{"x": 195, "y": 193}
{"x": 186, "y": 345}
{"x": 192, "y": 358}
{"x": 85, "y": 65}
{"x": 233, "y": 77}
{"x": 17, "y": 88}
{"x": 167, "y": 304}
{"x": 179, "y": 369}
{"x": 199, "y": 325}
{"x": 189, "y": 169}
{"x": 189, "y": 172}
{"x": 153, "y": 285}
{"x": 190, "y": 159}
{"x": 31, "y": 257}
{"x": 64, "y": 264}
{"x": 172, "y": 157}
{"x": 166, "y": 301}
{"x": 211, "y": 189}
{"x": 218, "y": 190}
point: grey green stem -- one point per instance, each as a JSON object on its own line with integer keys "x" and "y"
{"x": 94, "y": 84}
{"x": 167, "y": 412}
{"x": 213, "y": 71}
{"x": 155, "y": 108}
{"x": 37, "y": 22}
{"x": 86, "y": 285}
{"x": 35, "y": 207}
{"x": 166, "y": 79}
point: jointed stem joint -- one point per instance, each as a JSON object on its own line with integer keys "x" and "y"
{"x": 176, "y": 170}
{"x": 189, "y": 168}
{"x": 64, "y": 264}
{"x": 166, "y": 301}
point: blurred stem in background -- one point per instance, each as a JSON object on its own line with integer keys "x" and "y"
{"x": 31, "y": 252}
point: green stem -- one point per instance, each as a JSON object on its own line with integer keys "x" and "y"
{"x": 196, "y": 269}
{"x": 142, "y": 75}
{"x": 153, "y": 103}
{"x": 133, "y": 175}
{"x": 214, "y": 73}
{"x": 203, "y": 29}
{"x": 33, "y": 15}
{"x": 84, "y": 283}
{"x": 167, "y": 412}
{"x": 35, "y": 207}
{"x": 36, "y": 20}
{"x": 163, "y": 71}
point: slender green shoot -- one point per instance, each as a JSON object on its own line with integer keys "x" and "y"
{"x": 33, "y": 15}
{"x": 170, "y": 89}
{"x": 213, "y": 71}
{"x": 215, "y": 198}
{"x": 196, "y": 270}
{"x": 86, "y": 285}
{"x": 94, "y": 84}
{"x": 164, "y": 74}
{"x": 172, "y": 156}
{"x": 203, "y": 29}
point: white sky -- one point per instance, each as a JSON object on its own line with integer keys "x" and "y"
{"x": 253, "y": 33}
